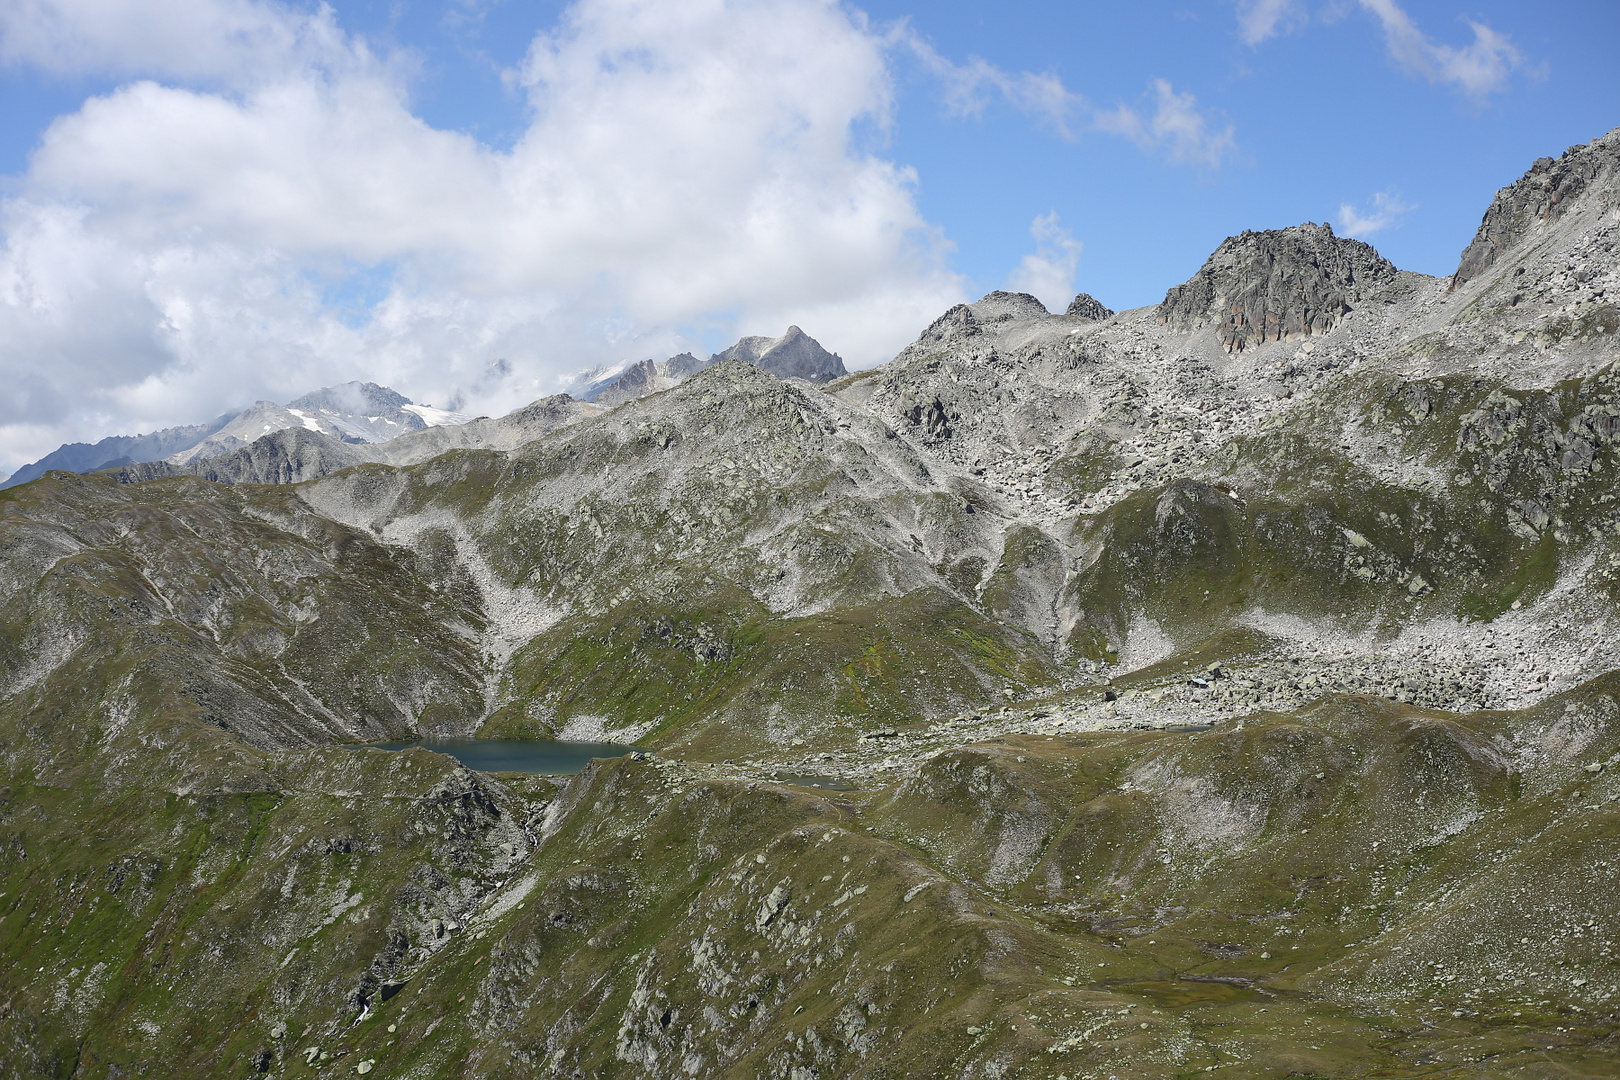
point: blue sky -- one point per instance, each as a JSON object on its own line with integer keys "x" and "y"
{"x": 210, "y": 201}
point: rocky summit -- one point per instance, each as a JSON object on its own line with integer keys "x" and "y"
{"x": 1223, "y": 688}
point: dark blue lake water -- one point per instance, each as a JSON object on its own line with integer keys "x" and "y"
{"x": 519, "y": 755}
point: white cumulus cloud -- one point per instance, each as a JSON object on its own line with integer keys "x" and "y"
{"x": 1048, "y": 273}
{"x": 265, "y": 214}
{"x": 1384, "y": 210}
{"x": 225, "y": 40}
{"x": 1479, "y": 68}
{"x": 1176, "y": 126}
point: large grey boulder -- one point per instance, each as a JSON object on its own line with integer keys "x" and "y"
{"x": 1277, "y": 284}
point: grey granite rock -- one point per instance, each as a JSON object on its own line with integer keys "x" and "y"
{"x": 1277, "y": 284}
{"x": 1086, "y": 306}
{"x": 679, "y": 367}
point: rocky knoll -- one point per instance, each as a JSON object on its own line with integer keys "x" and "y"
{"x": 1273, "y": 285}
{"x": 1085, "y": 306}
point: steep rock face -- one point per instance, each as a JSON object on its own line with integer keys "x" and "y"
{"x": 1277, "y": 284}
{"x": 638, "y": 380}
{"x": 682, "y": 365}
{"x": 1541, "y": 197}
{"x": 1086, "y": 306}
{"x": 794, "y": 355}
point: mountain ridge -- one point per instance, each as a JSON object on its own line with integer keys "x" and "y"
{"x": 352, "y": 412}
{"x": 1225, "y": 689}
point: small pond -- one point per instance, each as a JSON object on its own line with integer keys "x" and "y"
{"x": 546, "y": 757}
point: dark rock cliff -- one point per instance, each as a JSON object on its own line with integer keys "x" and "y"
{"x": 1267, "y": 286}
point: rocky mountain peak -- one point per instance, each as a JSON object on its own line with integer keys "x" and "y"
{"x": 1276, "y": 284}
{"x": 682, "y": 365}
{"x": 365, "y": 398}
{"x": 638, "y": 380}
{"x": 794, "y": 355}
{"x": 1542, "y": 196}
{"x": 1086, "y": 306}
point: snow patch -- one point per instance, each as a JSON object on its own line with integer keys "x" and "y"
{"x": 437, "y": 417}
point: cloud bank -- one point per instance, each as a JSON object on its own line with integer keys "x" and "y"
{"x": 262, "y": 213}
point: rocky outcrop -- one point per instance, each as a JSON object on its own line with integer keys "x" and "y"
{"x": 1086, "y": 306}
{"x": 794, "y": 355}
{"x": 1277, "y": 284}
{"x": 1540, "y": 197}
